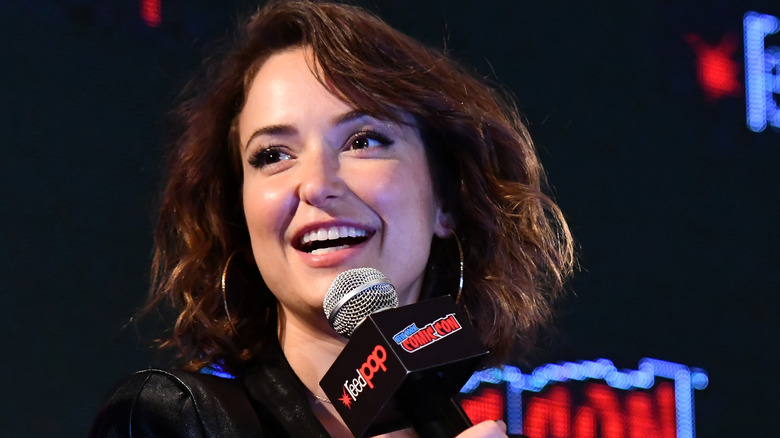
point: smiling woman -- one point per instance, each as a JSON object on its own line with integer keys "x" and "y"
{"x": 324, "y": 141}
{"x": 334, "y": 168}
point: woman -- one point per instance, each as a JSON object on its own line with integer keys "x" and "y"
{"x": 325, "y": 140}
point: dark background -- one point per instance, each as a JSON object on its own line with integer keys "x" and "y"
{"x": 673, "y": 202}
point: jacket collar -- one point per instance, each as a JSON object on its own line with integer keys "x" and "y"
{"x": 272, "y": 384}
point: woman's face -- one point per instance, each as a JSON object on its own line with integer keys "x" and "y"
{"x": 328, "y": 188}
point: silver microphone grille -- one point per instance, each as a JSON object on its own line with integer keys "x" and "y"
{"x": 354, "y": 294}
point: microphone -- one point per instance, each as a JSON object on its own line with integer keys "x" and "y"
{"x": 402, "y": 365}
{"x": 353, "y": 295}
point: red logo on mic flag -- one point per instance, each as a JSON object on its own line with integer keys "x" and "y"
{"x": 346, "y": 399}
{"x": 374, "y": 363}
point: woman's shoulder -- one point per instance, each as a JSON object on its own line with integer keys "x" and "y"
{"x": 157, "y": 402}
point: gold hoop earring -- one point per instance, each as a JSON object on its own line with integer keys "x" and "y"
{"x": 460, "y": 260}
{"x": 224, "y": 290}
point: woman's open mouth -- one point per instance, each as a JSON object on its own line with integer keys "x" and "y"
{"x": 329, "y": 239}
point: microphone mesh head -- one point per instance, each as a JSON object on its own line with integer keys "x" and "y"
{"x": 354, "y": 294}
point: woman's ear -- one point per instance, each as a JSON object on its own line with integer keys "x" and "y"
{"x": 443, "y": 227}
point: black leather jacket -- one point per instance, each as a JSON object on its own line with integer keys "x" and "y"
{"x": 266, "y": 401}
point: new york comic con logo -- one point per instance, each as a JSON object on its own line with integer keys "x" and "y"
{"x": 412, "y": 338}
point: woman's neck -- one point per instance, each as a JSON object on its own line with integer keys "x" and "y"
{"x": 310, "y": 348}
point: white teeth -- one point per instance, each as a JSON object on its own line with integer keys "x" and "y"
{"x": 327, "y": 250}
{"x": 332, "y": 233}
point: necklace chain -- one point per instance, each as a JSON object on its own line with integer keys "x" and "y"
{"x": 322, "y": 399}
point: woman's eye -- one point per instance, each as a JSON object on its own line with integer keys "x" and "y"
{"x": 367, "y": 139}
{"x": 267, "y": 156}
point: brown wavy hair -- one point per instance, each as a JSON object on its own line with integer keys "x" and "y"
{"x": 517, "y": 247}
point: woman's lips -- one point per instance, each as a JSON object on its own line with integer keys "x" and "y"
{"x": 332, "y": 255}
{"x": 325, "y": 238}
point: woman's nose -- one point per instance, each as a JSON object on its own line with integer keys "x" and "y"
{"x": 320, "y": 181}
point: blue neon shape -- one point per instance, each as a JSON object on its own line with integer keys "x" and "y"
{"x": 762, "y": 71}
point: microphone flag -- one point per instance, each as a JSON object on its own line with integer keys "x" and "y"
{"x": 401, "y": 364}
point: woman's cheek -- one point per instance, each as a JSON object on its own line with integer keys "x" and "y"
{"x": 264, "y": 207}
{"x": 381, "y": 185}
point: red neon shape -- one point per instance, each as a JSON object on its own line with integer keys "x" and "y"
{"x": 488, "y": 405}
{"x": 606, "y": 407}
{"x": 604, "y": 413}
{"x": 549, "y": 415}
{"x": 641, "y": 421}
{"x": 151, "y": 12}
{"x": 666, "y": 410}
{"x": 715, "y": 67}
{"x": 584, "y": 423}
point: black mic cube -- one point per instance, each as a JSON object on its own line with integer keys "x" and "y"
{"x": 398, "y": 357}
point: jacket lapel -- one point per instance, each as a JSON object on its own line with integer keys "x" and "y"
{"x": 273, "y": 386}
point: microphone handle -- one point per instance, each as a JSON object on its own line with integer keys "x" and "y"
{"x": 433, "y": 413}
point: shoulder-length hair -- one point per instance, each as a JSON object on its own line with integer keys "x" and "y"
{"x": 517, "y": 247}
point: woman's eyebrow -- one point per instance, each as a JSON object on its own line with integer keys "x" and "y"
{"x": 278, "y": 130}
{"x": 351, "y": 116}
{"x": 390, "y": 122}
